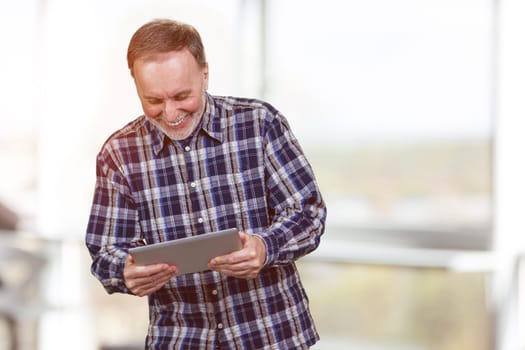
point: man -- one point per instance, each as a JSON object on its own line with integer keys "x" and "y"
{"x": 197, "y": 163}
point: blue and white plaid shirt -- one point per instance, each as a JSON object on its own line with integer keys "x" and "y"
{"x": 242, "y": 168}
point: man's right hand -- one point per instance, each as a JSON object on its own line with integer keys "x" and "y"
{"x": 144, "y": 280}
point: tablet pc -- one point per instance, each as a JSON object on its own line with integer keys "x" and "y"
{"x": 189, "y": 254}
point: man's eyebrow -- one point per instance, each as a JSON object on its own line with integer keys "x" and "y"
{"x": 181, "y": 93}
{"x": 152, "y": 98}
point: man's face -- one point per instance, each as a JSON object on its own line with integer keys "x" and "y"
{"x": 171, "y": 88}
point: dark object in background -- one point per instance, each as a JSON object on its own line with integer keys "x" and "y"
{"x": 8, "y": 218}
{"x": 8, "y": 222}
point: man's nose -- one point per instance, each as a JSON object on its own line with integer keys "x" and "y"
{"x": 170, "y": 110}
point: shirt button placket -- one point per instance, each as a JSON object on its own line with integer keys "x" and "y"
{"x": 193, "y": 187}
{"x": 215, "y": 293}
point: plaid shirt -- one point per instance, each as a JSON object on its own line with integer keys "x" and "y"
{"x": 242, "y": 168}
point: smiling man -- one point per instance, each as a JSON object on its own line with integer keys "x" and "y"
{"x": 197, "y": 163}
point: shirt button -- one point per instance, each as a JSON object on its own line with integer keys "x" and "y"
{"x": 193, "y": 184}
{"x": 214, "y": 292}
{"x": 220, "y": 326}
{"x": 187, "y": 148}
{"x": 200, "y": 220}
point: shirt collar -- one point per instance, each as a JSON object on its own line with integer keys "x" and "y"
{"x": 211, "y": 125}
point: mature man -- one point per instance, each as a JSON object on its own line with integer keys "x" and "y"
{"x": 197, "y": 163}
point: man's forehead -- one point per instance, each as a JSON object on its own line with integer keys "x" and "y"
{"x": 159, "y": 57}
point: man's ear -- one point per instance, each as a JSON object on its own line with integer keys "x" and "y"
{"x": 205, "y": 77}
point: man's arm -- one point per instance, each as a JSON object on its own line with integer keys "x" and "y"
{"x": 298, "y": 212}
{"x": 112, "y": 226}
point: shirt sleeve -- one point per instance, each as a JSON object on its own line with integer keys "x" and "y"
{"x": 113, "y": 225}
{"x": 297, "y": 209}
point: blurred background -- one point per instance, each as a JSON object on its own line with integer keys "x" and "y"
{"x": 410, "y": 111}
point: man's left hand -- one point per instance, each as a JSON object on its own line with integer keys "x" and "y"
{"x": 245, "y": 263}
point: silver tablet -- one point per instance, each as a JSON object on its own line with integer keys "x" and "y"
{"x": 189, "y": 254}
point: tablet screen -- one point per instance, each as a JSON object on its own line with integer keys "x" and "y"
{"x": 189, "y": 254}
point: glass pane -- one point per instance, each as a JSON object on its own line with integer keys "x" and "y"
{"x": 18, "y": 131}
{"x": 378, "y": 307}
{"x": 392, "y": 102}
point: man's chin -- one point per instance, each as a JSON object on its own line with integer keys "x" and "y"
{"x": 175, "y": 135}
{"x": 178, "y": 133}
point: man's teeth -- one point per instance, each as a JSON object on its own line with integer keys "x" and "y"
{"x": 178, "y": 121}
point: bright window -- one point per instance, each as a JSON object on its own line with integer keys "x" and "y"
{"x": 393, "y": 102}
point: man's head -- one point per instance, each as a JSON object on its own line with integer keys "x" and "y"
{"x": 166, "y": 58}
